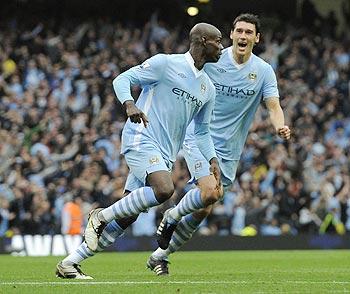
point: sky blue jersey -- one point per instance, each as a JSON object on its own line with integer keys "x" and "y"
{"x": 173, "y": 93}
{"x": 239, "y": 90}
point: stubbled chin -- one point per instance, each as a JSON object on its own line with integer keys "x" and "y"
{"x": 241, "y": 51}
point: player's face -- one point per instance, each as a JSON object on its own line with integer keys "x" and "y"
{"x": 213, "y": 47}
{"x": 244, "y": 37}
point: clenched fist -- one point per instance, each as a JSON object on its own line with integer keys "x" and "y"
{"x": 284, "y": 132}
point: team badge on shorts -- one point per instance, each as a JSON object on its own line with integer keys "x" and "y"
{"x": 154, "y": 160}
{"x": 198, "y": 166}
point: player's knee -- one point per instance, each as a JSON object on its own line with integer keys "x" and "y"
{"x": 208, "y": 188}
{"x": 211, "y": 196}
{"x": 162, "y": 185}
{"x": 126, "y": 221}
{"x": 210, "y": 192}
{"x": 202, "y": 213}
{"x": 164, "y": 192}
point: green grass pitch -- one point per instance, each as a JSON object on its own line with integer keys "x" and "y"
{"x": 326, "y": 271}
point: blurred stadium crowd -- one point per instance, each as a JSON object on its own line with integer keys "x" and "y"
{"x": 60, "y": 128}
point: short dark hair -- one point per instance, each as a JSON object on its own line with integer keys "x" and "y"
{"x": 250, "y": 18}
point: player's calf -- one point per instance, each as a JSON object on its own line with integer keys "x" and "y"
{"x": 201, "y": 214}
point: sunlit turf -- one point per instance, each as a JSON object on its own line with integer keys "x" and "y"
{"x": 190, "y": 272}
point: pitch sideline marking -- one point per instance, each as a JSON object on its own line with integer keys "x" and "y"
{"x": 164, "y": 282}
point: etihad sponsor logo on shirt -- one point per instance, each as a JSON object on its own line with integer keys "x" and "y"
{"x": 233, "y": 91}
{"x": 187, "y": 97}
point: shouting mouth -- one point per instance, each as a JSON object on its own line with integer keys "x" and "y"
{"x": 242, "y": 45}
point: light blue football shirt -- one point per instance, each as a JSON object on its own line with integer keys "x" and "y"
{"x": 173, "y": 93}
{"x": 240, "y": 88}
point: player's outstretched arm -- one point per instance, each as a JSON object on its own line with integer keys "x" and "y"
{"x": 277, "y": 118}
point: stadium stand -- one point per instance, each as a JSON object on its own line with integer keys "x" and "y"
{"x": 60, "y": 128}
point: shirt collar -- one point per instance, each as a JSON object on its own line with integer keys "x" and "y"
{"x": 234, "y": 62}
{"x": 190, "y": 61}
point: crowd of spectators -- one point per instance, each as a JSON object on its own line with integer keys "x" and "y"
{"x": 60, "y": 128}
